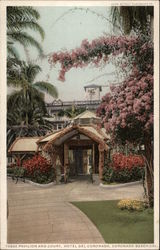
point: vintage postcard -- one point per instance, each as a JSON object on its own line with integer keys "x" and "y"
{"x": 79, "y": 119}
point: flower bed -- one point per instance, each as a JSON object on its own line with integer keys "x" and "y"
{"x": 37, "y": 169}
{"x": 124, "y": 169}
{"x": 132, "y": 205}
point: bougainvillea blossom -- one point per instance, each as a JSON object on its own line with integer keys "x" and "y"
{"x": 94, "y": 52}
{"x": 127, "y": 101}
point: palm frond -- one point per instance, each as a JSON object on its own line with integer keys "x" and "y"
{"x": 20, "y": 13}
{"x": 20, "y": 19}
{"x": 14, "y": 118}
{"x": 36, "y": 98}
{"x": 12, "y": 100}
{"x": 20, "y": 104}
{"x": 25, "y": 40}
{"x": 14, "y": 68}
{"x": 30, "y": 11}
{"x": 25, "y": 24}
{"x": 14, "y": 62}
{"x": 47, "y": 87}
{"x": 12, "y": 52}
{"x": 30, "y": 71}
{"x": 16, "y": 82}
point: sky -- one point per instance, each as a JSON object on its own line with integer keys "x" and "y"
{"x": 65, "y": 28}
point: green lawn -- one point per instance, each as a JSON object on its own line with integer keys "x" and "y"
{"x": 119, "y": 226}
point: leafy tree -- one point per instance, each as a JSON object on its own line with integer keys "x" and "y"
{"x": 129, "y": 17}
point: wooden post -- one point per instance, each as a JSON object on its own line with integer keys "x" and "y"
{"x": 66, "y": 162}
{"x": 101, "y": 160}
{"x": 93, "y": 158}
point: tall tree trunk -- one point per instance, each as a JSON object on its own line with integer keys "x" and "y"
{"x": 26, "y": 120}
{"x": 149, "y": 170}
{"x": 26, "y": 97}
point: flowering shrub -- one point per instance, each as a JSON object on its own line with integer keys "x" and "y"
{"x": 121, "y": 161}
{"x": 38, "y": 162}
{"x": 124, "y": 169}
{"x": 39, "y": 169}
{"x": 132, "y": 205}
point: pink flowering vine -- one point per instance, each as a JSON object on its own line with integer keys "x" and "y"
{"x": 94, "y": 52}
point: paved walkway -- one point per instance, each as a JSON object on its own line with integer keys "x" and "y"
{"x": 44, "y": 215}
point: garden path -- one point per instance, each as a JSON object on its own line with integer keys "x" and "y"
{"x": 45, "y": 215}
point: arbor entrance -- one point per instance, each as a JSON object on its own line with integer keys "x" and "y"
{"x": 80, "y": 161}
{"x": 79, "y": 149}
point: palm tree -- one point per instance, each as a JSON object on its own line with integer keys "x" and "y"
{"x": 18, "y": 109}
{"x": 19, "y": 20}
{"x": 22, "y": 75}
{"x": 26, "y": 107}
{"x": 131, "y": 16}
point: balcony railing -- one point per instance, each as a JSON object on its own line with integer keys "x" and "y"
{"x": 75, "y": 103}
